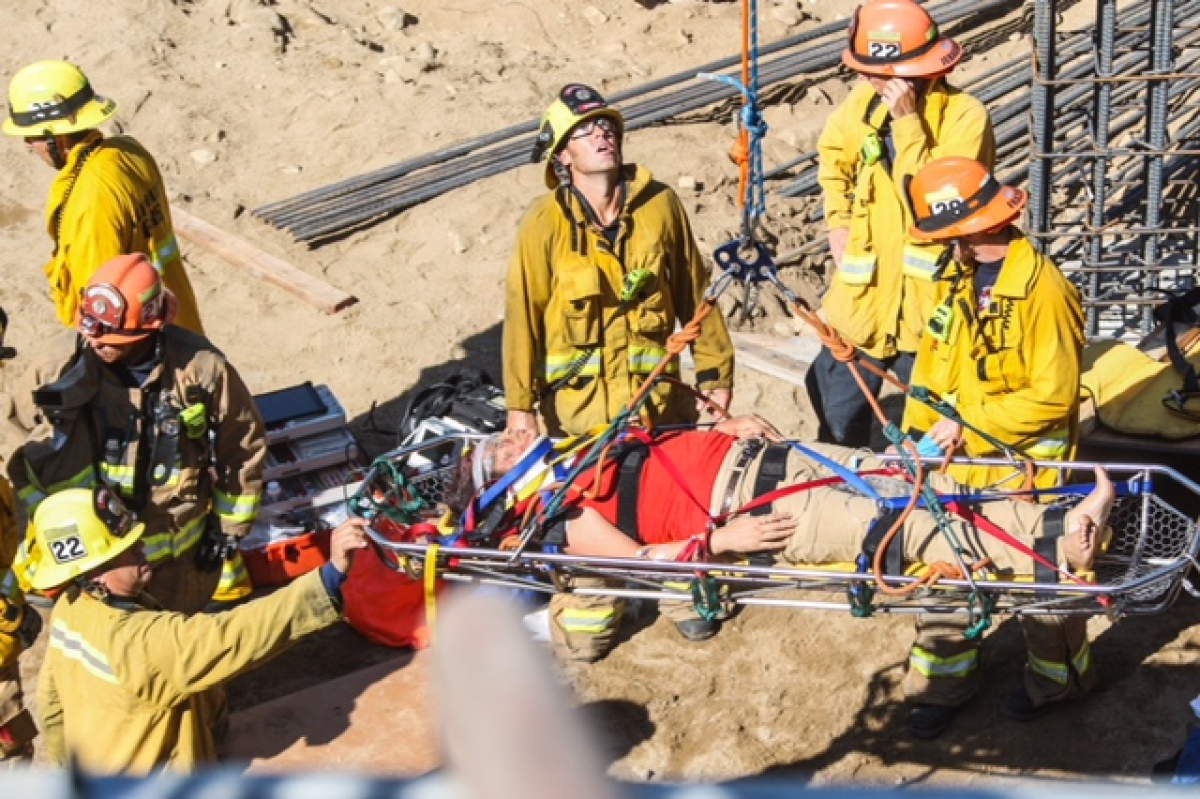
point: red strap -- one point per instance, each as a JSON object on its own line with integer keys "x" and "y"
{"x": 992, "y": 529}
{"x": 795, "y": 488}
{"x": 671, "y": 469}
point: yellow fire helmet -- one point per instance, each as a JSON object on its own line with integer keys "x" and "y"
{"x": 77, "y": 530}
{"x": 575, "y": 105}
{"x": 53, "y": 98}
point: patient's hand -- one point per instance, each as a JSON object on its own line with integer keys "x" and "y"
{"x": 749, "y": 425}
{"x": 753, "y": 534}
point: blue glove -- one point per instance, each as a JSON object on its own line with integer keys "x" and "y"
{"x": 928, "y": 448}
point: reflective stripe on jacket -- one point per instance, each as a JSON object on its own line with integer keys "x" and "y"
{"x": 62, "y": 454}
{"x": 115, "y": 204}
{"x": 125, "y": 689}
{"x": 880, "y": 296}
{"x": 564, "y": 317}
{"x": 1013, "y": 371}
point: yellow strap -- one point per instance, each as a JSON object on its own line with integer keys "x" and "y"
{"x": 431, "y": 588}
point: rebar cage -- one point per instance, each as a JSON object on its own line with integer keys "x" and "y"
{"x": 1154, "y": 543}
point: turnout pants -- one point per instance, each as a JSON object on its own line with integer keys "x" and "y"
{"x": 582, "y": 627}
{"x": 943, "y": 666}
{"x": 843, "y": 412}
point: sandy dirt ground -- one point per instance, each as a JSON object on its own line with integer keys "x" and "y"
{"x": 246, "y": 102}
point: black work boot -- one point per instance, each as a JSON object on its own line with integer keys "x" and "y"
{"x": 927, "y": 722}
{"x": 698, "y": 629}
{"x": 1019, "y": 707}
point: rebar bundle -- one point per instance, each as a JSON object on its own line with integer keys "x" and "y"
{"x": 332, "y": 211}
{"x": 1100, "y": 125}
{"x": 1105, "y": 140}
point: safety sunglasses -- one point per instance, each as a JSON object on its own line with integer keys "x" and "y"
{"x": 111, "y": 510}
{"x": 605, "y": 124}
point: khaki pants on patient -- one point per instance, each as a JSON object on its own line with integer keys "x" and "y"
{"x": 943, "y": 664}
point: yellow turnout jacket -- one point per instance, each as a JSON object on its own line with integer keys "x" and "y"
{"x": 881, "y": 295}
{"x": 1012, "y": 372}
{"x": 11, "y": 597}
{"x": 568, "y": 335}
{"x": 109, "y": 200}
{"x": 126, "y": 688}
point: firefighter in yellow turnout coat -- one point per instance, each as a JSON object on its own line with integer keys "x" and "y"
{"x": 593, "y": 294}
{"x": 604, "y": 268}
{"x": 108, "y": 199}
{"x": 1004, "y": 344}
{"x": 157, "y": 412}
{"x": 900, "y": 117}
{"x": 127, "y": 687}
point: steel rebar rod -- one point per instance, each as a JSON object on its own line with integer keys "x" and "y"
{"x": 329, "y": 215}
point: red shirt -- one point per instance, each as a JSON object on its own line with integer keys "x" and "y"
{"x": 666, "y": 512}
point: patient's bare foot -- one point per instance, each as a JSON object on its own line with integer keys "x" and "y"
{"x": 1085, "y": 524}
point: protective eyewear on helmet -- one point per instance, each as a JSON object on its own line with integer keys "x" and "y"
{"x": 111, "y": 510}
{"x": 605, "y": 125}
{"x": 580, "y": 99}
{"x": 102, "y": 312}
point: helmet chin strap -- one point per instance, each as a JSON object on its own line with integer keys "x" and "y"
{"x": 56, "y": 150}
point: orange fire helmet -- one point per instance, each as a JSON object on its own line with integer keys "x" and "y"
{"x": 898, "y": 38}
{"x": 123, "y": 302}
{"x": 954, "y": 197}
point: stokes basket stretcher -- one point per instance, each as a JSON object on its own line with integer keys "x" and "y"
{"x": 1154, "y": 544}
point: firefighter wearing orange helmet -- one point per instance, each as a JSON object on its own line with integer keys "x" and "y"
{"x": 902, "y": 115}
{"x": 1004, "y": 345}
{"x": 108, "y": 198}
{"x": 156, "y": 412}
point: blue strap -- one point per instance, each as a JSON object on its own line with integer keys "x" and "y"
{"x": 1127, "y": 488}
{"x": 498, "y": 488}
{"x": 847, "y": 474}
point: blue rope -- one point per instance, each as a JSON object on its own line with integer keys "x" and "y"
{"x": 754, "y": 203}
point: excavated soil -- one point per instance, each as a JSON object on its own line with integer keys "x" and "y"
{"x": 246, "y": 102}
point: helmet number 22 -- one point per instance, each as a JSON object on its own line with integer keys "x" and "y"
{"x": 885, "y": 49}
{"x": 68, "y": 549}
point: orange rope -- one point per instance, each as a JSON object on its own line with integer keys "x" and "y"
{"x": 740, "y": 152}
{"x": 847, "y": 353}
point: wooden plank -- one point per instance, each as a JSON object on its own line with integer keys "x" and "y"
{"x": 785, "y": 358}
{"x": 259, "y": 264}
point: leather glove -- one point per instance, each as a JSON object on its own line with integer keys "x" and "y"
{"x": 31, "y": 627}
{"x": 20, "y": 621}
